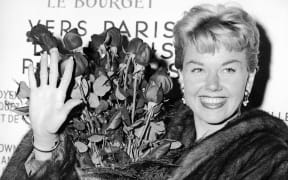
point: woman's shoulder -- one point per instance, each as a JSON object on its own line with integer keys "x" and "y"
{"x": 254, "y": 144}
{"x": 262, "y": 121}
{"x": 261, "y": 134}
{"x": 265, "y": 146}
{"x": 259, "y": 123}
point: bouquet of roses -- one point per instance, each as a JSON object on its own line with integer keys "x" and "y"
{"x": 120, "y": 122}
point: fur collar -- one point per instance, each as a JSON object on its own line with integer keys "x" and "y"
{"x": 246, "y": 124}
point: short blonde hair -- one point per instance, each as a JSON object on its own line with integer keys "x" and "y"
{"x": 209, "y": 27}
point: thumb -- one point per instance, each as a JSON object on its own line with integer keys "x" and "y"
{"x": 70, "y": 104}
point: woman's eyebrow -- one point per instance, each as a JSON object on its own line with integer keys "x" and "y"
{"x": 231, "y": 61}
{"x": 192, "y": 61}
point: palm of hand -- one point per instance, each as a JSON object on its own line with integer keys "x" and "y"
{"x": 46, "y": 104}
{"x": 48, "y": 110}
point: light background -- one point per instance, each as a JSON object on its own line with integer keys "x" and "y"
{"x": 272, "y": 15}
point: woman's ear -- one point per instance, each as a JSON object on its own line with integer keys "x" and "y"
{"x": 250, "y": 81}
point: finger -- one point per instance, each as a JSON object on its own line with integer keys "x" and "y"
{"x": 54, "y": 58}
{"x": 63, "y": 113}
{"x": 67, "y": 75}
{"x": 69, "y": 105}
{"x": 31, "y": 77}
{"x": 43, "y": 69}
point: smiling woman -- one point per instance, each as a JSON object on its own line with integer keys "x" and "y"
{"x": 216, "y": 51}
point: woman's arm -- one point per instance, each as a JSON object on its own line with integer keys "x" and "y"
{"x": 24, "y": 166}
{"x": 15, "y": 169}
{"x": 42, "y": 149}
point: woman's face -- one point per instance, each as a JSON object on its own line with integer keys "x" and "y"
{"x": 214, "y": 84}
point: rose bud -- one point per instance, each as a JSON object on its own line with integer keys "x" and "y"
{"x": 143, "y": 55}
{"x": 134, "y": 45}
{"x": 80, "y": 64}
{"x": 72, "y": 39}
{"x": 97, "y": 44}
{"x": 90, "y": 53}
{"x": 162, "y": 79}
{"x": 113, "y": 37}
{"x": 153, "y": 92}
{"x": 97, "y": 40}
{"x": 40, "y": 35}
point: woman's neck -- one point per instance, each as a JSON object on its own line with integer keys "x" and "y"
{"x": 204, "y": 129}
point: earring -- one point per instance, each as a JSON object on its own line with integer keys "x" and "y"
{"x": 246, "y": 98}
{"x": 183, "y": 99}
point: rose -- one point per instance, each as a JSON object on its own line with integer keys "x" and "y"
{"x": 159, "y": 84}
{"x": 93, "y": 46}
{"x": 97, "y": 40}
{"x": 93, "y": 50}
{"x": 153, "y": 92}
{"x": 134, "y": 45}
{"x": 113, "y": 38}
{"x": 72, "y": 39}
{"x": 140, "y": 50}
{"x": 80, "y": 64}
{"x": 40, "y": 35}
{"x": 143, "y": 54}
{"x": 162, "y": 79}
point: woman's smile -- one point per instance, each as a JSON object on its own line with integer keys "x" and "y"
{"x": 212, "y": 102}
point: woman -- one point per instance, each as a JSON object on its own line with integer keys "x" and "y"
{"x": 216, "y": 51}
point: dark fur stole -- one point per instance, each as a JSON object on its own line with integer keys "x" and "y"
{"x": 252, "y": 146}
{"x": 15, "y": 168}
{"x": 60, "y": 167}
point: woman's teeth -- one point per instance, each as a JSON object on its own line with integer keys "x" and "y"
{"x": 212, "y": 102}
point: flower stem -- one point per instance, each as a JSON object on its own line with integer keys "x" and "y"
{"x": 126, "y": 71}
{"x": 134, "y": 99}
{"x": 145, "y": 128}
{"x": 108, "y": 61}
{"x": 90, "y": 130}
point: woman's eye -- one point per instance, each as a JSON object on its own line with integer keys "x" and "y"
{"x": 196, "y": 70}
{"x": 229, "y": 70}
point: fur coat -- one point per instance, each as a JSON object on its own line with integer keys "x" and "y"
{"x": 253, "y": 146}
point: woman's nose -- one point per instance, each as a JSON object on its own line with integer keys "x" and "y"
{"x": 212, "y": 82}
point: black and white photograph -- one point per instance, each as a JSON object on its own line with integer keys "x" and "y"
{"x": 143, "y": 90}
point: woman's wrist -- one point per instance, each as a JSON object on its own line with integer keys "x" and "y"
{"x": 44, "y": 145}
{"x": 45, "y": 142}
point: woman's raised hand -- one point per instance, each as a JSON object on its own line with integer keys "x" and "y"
{"x": 47, "y": 109}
